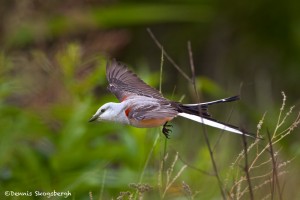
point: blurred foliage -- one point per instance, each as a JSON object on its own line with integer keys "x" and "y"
{"x": 52, "y": 79}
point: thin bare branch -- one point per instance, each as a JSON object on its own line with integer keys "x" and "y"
{"x": 274, "y": 164}
{"x": 191, "y": 62}
{"x": 204, "y": 130}
{"x": 158, "y": 44}
{"x": 161, "y": 69}
{"x": 247, "y": 172}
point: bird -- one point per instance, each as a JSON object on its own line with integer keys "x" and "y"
{"x": 142, "y": 106}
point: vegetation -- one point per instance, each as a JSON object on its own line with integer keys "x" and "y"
{"x": 52, "y": 80}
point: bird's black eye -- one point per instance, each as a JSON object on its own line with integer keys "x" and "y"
{"x": 102, "y": 110}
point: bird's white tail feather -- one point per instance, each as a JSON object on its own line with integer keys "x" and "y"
{"x": 210, "y": 123}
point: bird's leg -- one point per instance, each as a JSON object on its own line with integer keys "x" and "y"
{"x": 166, "y": 129}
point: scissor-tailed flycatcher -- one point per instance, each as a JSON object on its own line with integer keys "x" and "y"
{"x": 143, "y": 106}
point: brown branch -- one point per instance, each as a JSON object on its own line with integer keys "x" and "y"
{"x": 247, "y": 167}
{"x": 158, "y": 44}
{"x": 203, "y": 128}
{"x": 275, "y": 173}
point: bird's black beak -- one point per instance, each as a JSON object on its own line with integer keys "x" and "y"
{"x": 93, "y": 118}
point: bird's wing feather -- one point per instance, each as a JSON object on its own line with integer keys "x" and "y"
{"x": 152, "y": 110}
{"x": 124, "y": 83}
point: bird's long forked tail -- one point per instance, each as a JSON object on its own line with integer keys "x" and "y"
{"x": 216, "y": 124}
{"x": 201, "y": 109}
{"x": 228, "y": 99}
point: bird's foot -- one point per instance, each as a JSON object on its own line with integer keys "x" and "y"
{"x": 166, "y": 130}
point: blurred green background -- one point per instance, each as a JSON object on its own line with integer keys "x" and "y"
{"x": 52, "y": 80}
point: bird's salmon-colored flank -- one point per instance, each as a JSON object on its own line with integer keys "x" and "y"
{"x": 148, "y": 123}
{"x": 143, "y": 106}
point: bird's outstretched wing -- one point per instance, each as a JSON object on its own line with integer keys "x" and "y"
{"x": 151, "y": 110}
{"x": 124, "y": 83}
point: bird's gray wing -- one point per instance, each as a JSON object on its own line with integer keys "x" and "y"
{"x": 124, "y": 83}
{"x": 157, "y": 110}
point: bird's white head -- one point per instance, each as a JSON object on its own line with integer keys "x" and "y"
{"x": 111, "y": 112}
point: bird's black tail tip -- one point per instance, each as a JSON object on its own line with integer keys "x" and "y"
{"x": 233, "y": 98}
